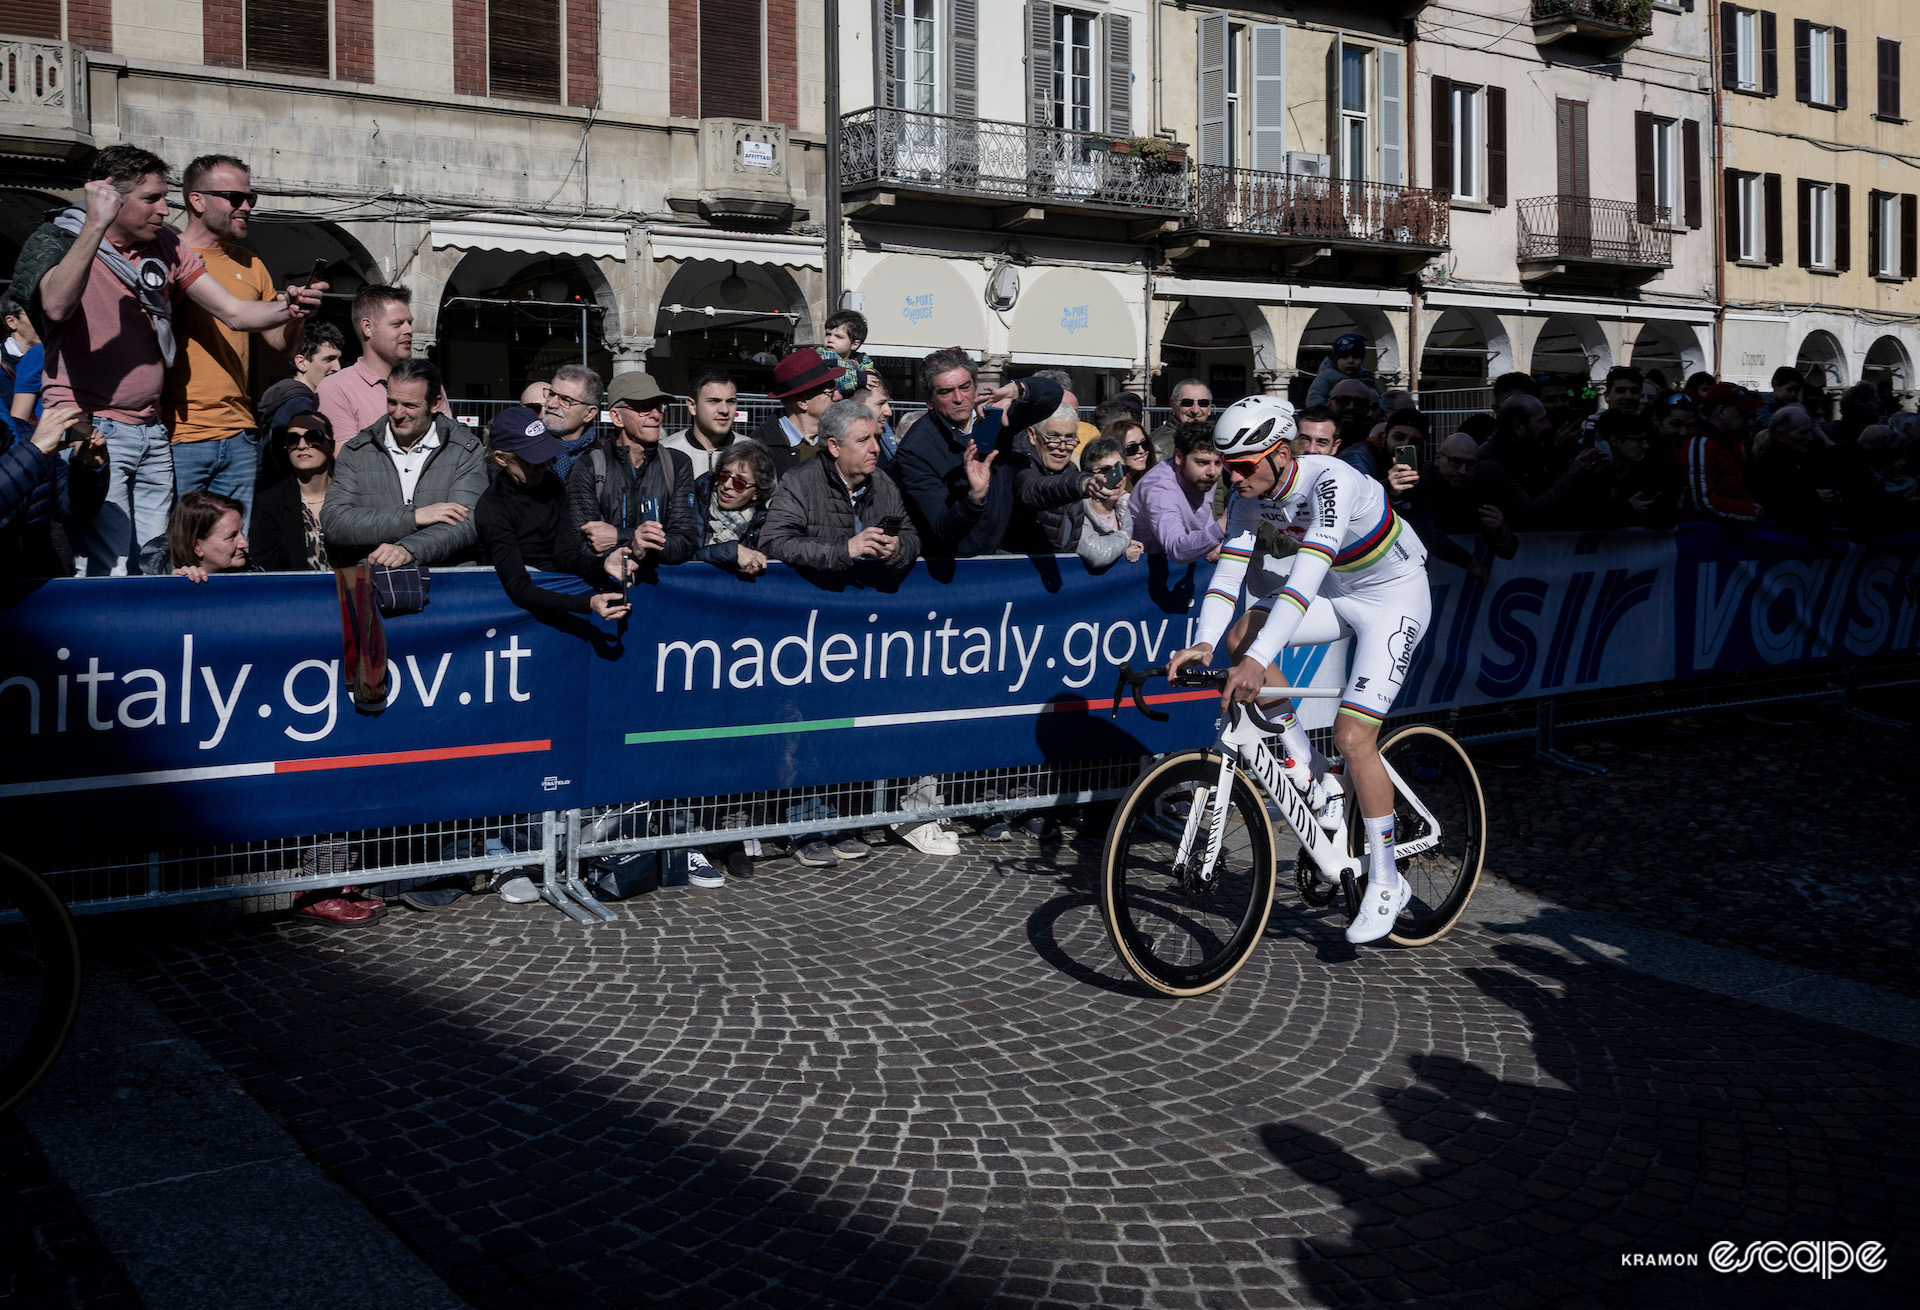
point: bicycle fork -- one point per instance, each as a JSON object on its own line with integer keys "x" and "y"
{"x": 1211, "y": 808}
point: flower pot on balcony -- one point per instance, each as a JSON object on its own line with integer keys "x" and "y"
{"x": 1120, "y": 147}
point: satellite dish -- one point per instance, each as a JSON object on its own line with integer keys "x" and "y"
{"x": 1003, "y": 286}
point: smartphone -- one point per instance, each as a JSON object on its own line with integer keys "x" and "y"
{"x": 890, "y": 525}
{"x": 1114, "y": 474}
{"x": 1406, "y": 456}
{"x": 650, "y": 510}
{"x": 318, "y": 272}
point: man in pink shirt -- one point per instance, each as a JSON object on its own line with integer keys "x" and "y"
{"x": 355, "y": 398}
{"x": 108, "y": 308}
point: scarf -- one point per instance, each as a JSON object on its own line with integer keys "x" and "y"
{"x": 152, "y": 299}
{"x": 726, "y": 524}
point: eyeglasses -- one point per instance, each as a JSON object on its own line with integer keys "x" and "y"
{"x": 731, "y": 482}
{"x": 234, "y": 198}
{"x": 1246, "y": 468}
{"x": 1193, "y": 404}
{"x": 1133, "y": 448}
{"x": 1344, "y": 401}
{"x": 565, "y": 399}
{"x": 308, "y": 437}
{"x": 1053, "y": 440}
{"x": 1459, "y": 462}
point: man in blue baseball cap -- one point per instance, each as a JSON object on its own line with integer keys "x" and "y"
{"x": 1346, "y": 358}
{"x": 522, "y": 517}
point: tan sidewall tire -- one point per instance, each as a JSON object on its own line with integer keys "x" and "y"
{"x": 1472, "y": 876}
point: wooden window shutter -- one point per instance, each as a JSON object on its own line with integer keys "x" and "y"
{"x": 1212, "y": 91}
{"x": 1497, "y": 146}
{"x": 1874, "y": 233}
{"x": 1643, "y": 184}
{"x": 1118, "y": 29}
{"x": 732, "y": 59}
{"x": 1729, "y": 47}
{"x": 1909, "y": 247}
{"x": 1802, "y": 60}
{"x": 1839, "y": 68}
{"x": 1391, "y": 117}
{"x": 523, "y": 48}
{"x": 1570, "y": 146}
{"x": 963, "y": 39}
{"x": 1769, "y": 54}
{"x": 1776, "y": 229}
{"x": 1442, "y": 135}
{"x": 886, "y": 48}
{"x": 1842, "y": 227}
{"x": 1730, "y": 190}
{"x": 1040, "y": 63}
{"x": 35, "y": 18}
{"x": 1268, "y": 50}
{"x": 1888, "y": 105}
{"x": 1690, "y": 170}
{"x": 289, "y": 36}
{"x": 1806, "y": 223}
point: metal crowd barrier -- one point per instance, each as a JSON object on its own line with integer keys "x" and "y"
{"x": 556, "y": 848}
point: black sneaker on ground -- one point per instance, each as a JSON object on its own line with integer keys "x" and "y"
{"x": 433, "y": 898}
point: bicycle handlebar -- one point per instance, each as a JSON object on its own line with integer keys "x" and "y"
{"x": 1194, "y": 679}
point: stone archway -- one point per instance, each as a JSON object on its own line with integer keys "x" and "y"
{"x": 1889, "y": 367}
{"x": 1384, "y": 356}
{"x": 1822, "y": 361}
{"x": 21, "y": 211}
{"x": 759, "y": 312}
{"x": 1672, "y": 348}
{"x": 1226, "y": 343}
{"x": 1572, "y": 345}
{"x": 507, "y": 317}
{"x": 1464, "y": 348}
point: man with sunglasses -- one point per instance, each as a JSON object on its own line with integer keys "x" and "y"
{"x": 207, "y": 410}
{"x": 639, "y": 493}
{"x": 1192, "y": 402}
{"x": 1357, "y": 572}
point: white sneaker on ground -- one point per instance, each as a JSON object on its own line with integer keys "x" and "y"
{"x": 1381, "y": 906}
{"x": 519, "y": 890}
{"x": 928, "y": 838}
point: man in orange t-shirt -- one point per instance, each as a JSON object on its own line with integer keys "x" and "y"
{"x": 207, "y": 408}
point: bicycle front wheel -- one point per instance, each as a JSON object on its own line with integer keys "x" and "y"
{"x": 39, "y": 980}
{"x": 1440, "y": 815}
{"x": 1182, "y": 930}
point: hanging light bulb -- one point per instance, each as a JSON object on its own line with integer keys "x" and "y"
{"x": 733, "y": 289}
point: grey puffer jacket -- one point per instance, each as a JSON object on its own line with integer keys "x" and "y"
{"x": 812, "y": 517}
{"x": 366, "y": 508}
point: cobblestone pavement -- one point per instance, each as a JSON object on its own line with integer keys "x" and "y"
{"x": 910, "y": 1082}
{"x": 49, "y": 1254}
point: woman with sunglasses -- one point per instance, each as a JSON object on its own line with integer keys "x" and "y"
{"x": 1136, "y": 450}
{"x": 730, "y": 502}
{"x": 1356, "y": 571}
{"x": 286, "y": 513}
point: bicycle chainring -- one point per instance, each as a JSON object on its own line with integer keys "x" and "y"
{"x": 1307, "y": 879}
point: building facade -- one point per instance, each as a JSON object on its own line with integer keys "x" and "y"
{"x": 1820, "y": 169}
{"x": 553, "y": 179}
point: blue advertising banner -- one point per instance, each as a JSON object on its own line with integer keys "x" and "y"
{"x": 150, "y": 709}
{"x": 1763, "y": 599}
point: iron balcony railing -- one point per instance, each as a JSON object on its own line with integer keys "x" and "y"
{"x": 1629, "y": 16}
{"x": 1318, "y": 208}
{"x": 1587, "y": 230}
{"x": 1003, "y": 161}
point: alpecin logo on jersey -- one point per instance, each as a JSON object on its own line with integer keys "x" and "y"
{"x": 1329, "y": 513}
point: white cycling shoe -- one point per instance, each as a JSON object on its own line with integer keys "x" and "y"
{"x": 1378, "y": 910}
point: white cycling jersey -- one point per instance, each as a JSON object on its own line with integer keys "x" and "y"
{"x": 1357, "y": 570}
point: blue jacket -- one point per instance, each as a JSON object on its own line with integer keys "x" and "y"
{"x": 36, "y": 492}
{"x": 930, "y": 468}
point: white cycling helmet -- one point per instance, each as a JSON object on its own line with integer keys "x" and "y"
{"x": 1250, "y": 428}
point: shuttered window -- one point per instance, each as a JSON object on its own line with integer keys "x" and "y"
{"x": 1887, "y": 102}
{"x": 732, "y": 59}
{"x": 289, "y": 36}
{"x": 523, "y": 49}
{"x": 1570, "y": 141}
{"x": 36, "y": 18}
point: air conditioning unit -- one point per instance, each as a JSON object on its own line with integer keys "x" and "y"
{"x": 1306, "y": 164}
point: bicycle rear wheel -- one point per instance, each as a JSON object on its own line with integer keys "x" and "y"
{"x": 1432, "y": 766}
{"x": 39, "y": 980}
{"x": 1178, "y": 934}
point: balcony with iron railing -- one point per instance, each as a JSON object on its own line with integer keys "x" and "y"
{"x": 888, "y": 152}
{"x": 1245, "y": 204}
{"x": 1562, "y": 236}
{"x": 43, "y": 99}
{"x": 1613, "y": 24}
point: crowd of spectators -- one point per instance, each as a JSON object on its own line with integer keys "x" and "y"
{"x": 130, "y": 444}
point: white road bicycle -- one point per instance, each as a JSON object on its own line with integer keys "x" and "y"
{"x": 1187, "y": 877}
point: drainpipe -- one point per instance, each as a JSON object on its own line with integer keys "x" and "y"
{"x": 1718, "y": 160}
{"x": 1406, "y": 153}
{"x": 834, "y": 223}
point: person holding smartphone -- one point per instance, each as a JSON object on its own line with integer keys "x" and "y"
{"x": 637, "y": 493}
{"x": 50, "y": 487}
{"x": 838, "y": 512}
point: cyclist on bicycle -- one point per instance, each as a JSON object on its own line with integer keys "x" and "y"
{"x": 1358, "y": 571}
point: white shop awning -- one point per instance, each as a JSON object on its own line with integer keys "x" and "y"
{"x": 526, "y": 236}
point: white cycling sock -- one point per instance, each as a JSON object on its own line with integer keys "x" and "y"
{"x": 1381, "y": 870}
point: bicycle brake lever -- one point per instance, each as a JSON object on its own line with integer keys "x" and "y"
{"x": 1139, "y": 701}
